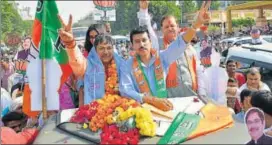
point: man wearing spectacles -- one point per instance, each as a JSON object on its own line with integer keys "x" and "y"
{"x": 255, "y": 124}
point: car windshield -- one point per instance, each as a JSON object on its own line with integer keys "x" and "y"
{"x": 79, "y": 32}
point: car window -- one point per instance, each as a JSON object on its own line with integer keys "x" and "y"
{"x": 268, "y": 39}
{"x": 80, "y": 32}
{"x": 246, "y": 63}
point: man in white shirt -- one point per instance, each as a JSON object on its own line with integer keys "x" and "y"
{"x": 254, "y": 81}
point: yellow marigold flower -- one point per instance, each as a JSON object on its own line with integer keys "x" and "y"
{"x": 110, "y": 119}
{"x": 119, "y": 110}
{"x": 85, "y": 126}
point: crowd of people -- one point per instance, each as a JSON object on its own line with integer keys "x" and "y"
{"x": 153, "y": 71}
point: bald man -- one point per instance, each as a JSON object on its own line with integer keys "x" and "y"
{"x": 254, "y": 82}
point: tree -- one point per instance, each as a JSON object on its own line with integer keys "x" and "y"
{"x": 12, "y": 21}
{"x": 215, "y": 5}
{"x": 161, "y": 8}
{"x": 126, "y": 17}
{"x": 27, "y": 27}
{"x": 243, "y": 22}
{"x": 126, "y": 14}
{"x": 189, "y": 6}
{"x": 213, "y": 29}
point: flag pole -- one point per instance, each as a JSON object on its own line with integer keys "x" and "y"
{"x": 44, "y": 101}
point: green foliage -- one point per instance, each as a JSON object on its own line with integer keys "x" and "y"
{"x": 189, "y": 6}
{"x": 126, "y": 14}
{"x": 11, "y": 22}
{"x": 161, "y": 8}
{"x": 243, "y": 22}
{"x": 126, "y": 17}
{"x": 213, "y": 29}
{"x": 215, "y": 5}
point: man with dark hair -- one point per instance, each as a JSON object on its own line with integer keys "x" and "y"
{"x": 144, "y": 77}
{"x": 232, "y": 94}
{"x": 263, "y": 100}
{"x": 100, "y": 70}
{"x": 231, "y": 70}
{"x": 254, "y": 81}
{"x": 255, "y": 124}
{"x": 245, "y": 97}
{"x": 255, "y": 35}
{"x": 14, "y": 120}
{"x": 185, "y": 75}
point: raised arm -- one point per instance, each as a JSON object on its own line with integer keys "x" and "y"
{"x": 144, "y": 19}
{"x": 77, "y": 61}
{"x": 178, "y": 46}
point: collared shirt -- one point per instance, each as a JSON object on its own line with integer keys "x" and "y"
{"x": 264, "y": 87}
{"x": 261, "y": 141}
{"x": 129, "y": 86}
{"x": 144, "y": 19}
{"x": 240, "y": 116}
{"x": 268, "y": 130}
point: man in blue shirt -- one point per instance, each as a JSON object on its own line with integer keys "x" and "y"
{"x": 143, "y": 76}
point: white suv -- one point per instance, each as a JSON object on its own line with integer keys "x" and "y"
{"x": 254, "y": 55}
{"x": 243, "y": 40}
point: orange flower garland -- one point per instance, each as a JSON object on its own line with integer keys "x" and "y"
{"x": 111, "y": 84}
{"x": 107, "y": 106}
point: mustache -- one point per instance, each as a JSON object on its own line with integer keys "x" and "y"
{"x": 143, "y": 48}
{"x": 252, "y": 129}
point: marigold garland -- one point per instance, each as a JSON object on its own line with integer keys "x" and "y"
{"x": 144, "y": 120}
{"x": 107, "y": 105}
{"x": 111, "y": 83}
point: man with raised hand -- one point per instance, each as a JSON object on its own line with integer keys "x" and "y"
{"x": 185, "y": 74}
{"x": 143, "y": 76}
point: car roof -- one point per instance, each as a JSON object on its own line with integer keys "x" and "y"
{"x": 252, "y": 52}
{"x": 229, "y": 39}
{"x": 75, "y": 28}
{"x": 235, "y": 39}
{"x": 119, "y": 37}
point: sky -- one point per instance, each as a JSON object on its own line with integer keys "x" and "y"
{"x": 78, "y": 9}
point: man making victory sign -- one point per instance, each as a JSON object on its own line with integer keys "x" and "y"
{"x": 144, "y": 76}
{"x": 100, "y": 70}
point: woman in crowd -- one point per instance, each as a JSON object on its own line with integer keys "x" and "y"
{"x": 90, "y": 38}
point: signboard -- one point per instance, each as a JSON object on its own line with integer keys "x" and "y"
{"x": 111, "y": 15}
{"x": 99, "y": 15}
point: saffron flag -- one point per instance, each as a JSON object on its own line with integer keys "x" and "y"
{"x": 187, "y": 126}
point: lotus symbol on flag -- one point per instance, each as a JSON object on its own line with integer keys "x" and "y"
{"x": 104, "y": 5}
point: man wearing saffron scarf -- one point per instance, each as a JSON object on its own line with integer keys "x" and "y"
{"x": 99, "y": 70}
{"x": 143, "y": 76}
{"x": 185, "y": 75}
